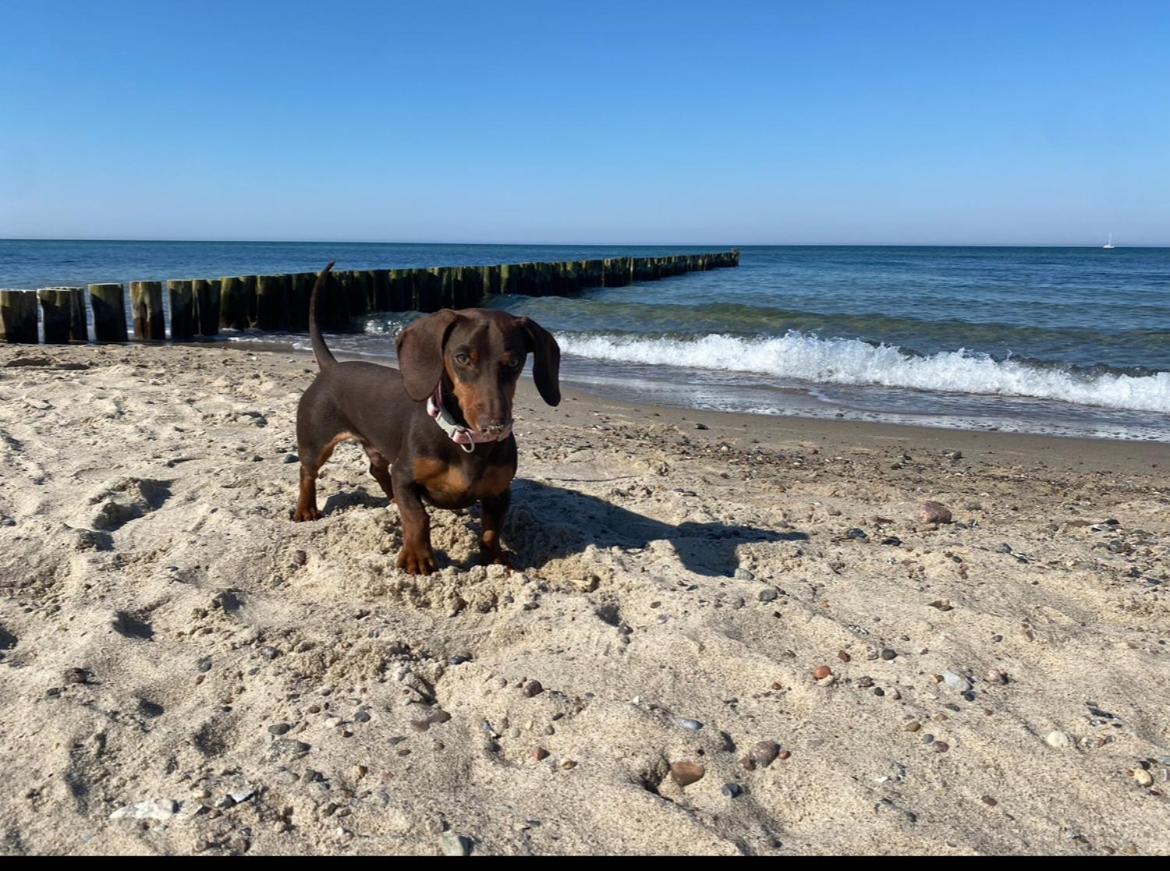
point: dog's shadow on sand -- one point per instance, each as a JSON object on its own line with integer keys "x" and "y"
{"x": 565, "y": 522}
{"x": 558, "y": 523}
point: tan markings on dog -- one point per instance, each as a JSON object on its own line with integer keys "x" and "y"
{"x": 439, "y": 477}
{"x": 494, "y": 481}
{"x": 327, "y": 451}
{"x": 465, "y": 396}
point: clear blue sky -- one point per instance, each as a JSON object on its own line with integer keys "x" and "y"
{"x": 728, "y": 122}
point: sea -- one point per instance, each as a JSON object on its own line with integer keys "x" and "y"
{"x": 1064, "y": 341}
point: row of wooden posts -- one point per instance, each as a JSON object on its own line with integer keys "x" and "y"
{"x": 201, "y": 307}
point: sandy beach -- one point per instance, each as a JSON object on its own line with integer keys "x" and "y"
{"x": 184, "y": 670}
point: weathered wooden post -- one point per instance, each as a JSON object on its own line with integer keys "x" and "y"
{"x": 146, "y": 304}
{"x": 399, "y": 290}
{"x": 491, "y": 281}
{"x": 507, "y": 278}
{"x": 108, "y": 302}
{"x": 233, "y": 303}
{"x": 300, "y": 287}
{"x": 63, "y": 314}
{"x": 182, "y": 310}
{"x": 206, "y": 294}
{"x": 272, "y": 302}
{"x": 428, "y": 289}
{"x": 380, "y": 290}
{"x": 18, "y": 316}
{"x": 72, "y": 299}
{"x": 358, "y": 293}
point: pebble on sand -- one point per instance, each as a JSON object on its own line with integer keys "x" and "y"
{"x": 956, "y": 682}
{"x": 533, "y": 688}
{"x": 935, "y": 512}
{"x": 822, "y": 672}
{"x": 146, "y": 810}
{"x": 1058, "y": 740}
{"x": 539, "y": 753}
{"x": 764, "y": 753}
{"x": 685, "y": 772}
{"x": 454, "y": 844}
{"x": 1143, "y": 777}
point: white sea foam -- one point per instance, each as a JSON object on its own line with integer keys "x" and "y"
{"x": 806, "y": 358}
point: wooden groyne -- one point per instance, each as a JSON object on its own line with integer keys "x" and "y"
{"x": 280, "y": 303}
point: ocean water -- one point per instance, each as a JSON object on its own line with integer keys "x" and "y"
{"x": 1072, "y": 341}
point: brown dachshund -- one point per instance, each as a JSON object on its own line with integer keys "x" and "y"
{"x": 439, "y": 430}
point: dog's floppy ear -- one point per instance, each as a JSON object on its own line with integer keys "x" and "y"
{"x": 546, "y": 367}
{"x": 420, "y": 353}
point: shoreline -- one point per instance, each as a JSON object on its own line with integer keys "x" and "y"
{"x": 1029, "y": 445}
{"x": 184, "y": 670}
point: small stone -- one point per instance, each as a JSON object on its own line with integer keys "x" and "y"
{"x": 539, "y": 753}
{"x": 768, "y": 594}
{"x": 997, "y": 677}
{"x": 843, "y": 656}
{"x": 989, "y": 801}
{"x": 822, "y": 672}
{"x": 865, "y": 682}
{"x": 764, "y": 753}
{"x": 912, "y": 726}
{"x": 146, "y": 810}
{"x": 77, "y": 676}
{"x": 1143, "y": 777}
{"x": 941, "y": 746}
{"x": 732, "y": 790}
{"x": 533, "y": 688}
{"x": 569, "y": 764}
{"x": 888, "y": 654}
{"x": 279, "y": 729}
{"x": 935, "y": 512}
{"x": 454, "y": 844}
{"x": 783, "y": 754}
{"x": 1058, "y": 740}
{"x": 689, "y": 725}
{"x": 1004, "y": 548}
{"x": 685, "y": 773}
{"x": 856, "y": 534}
{"x": 956, "y": 682}
{"x": 744, "y": 575}
{"x": 362, "y": 716}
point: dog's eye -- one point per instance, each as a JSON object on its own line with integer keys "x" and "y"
{"x": 462, "y": 359}
{"x": 515, "y": 364}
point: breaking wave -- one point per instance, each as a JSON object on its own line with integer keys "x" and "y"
{"x": 806, "y": 358}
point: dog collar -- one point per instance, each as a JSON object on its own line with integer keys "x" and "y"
{"x": 461, "y": 435}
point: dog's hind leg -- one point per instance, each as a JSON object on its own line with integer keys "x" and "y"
{"x": 313, "y": 457}
{"x": 380, "y": 469}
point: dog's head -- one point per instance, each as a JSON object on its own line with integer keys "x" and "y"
{"x": 481, "y": 352}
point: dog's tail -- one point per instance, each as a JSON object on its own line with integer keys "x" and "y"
{"x": 325, "y": 358}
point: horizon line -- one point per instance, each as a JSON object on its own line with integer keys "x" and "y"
{"x": 581, "y": 244}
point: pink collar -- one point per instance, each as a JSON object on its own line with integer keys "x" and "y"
{"x": 461, "y": 435}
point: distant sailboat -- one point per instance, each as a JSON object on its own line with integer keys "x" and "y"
{"x": 1109, "y": 244}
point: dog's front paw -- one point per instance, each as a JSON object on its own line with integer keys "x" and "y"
{"x": 416, "y": 561}
{"x": 497, "y": 557}
{"x": 301, "y": 515}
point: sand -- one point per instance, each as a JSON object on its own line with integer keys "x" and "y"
{"x": 184, "y": 670}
